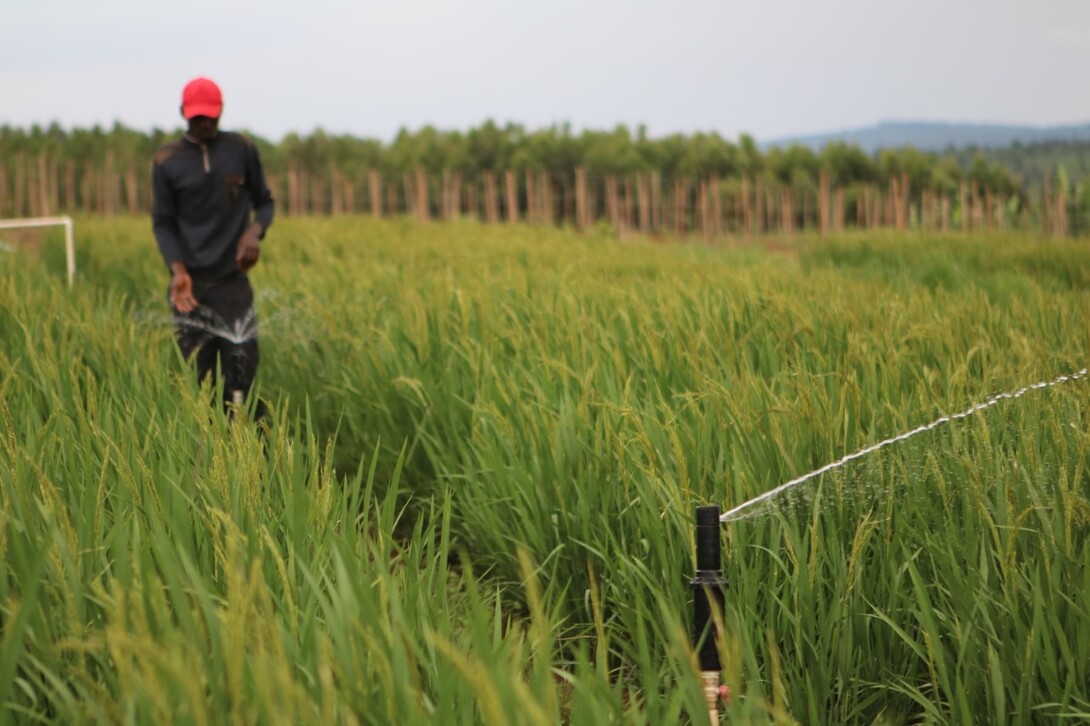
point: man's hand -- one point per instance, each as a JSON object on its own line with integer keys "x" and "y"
{"x": 181, "y": 289}
{"x": 249, "y": 247}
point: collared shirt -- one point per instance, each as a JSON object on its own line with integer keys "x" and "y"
{"x": 204, "y": 194}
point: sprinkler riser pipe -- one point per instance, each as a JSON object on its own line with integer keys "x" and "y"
{"x": 709, "y": 587}
{"x": 707, "y": 540}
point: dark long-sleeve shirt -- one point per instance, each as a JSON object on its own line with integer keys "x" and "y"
{"x": 203, "y": 197}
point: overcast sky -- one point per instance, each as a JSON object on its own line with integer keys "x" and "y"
{"x": 771, "y": 68}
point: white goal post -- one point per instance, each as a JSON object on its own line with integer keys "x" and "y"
{"x": 69, "y": 241}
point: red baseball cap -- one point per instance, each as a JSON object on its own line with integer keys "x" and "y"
{"x": 202, "y": 97}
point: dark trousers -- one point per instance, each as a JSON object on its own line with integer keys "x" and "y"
{"x": 222, "y": 332}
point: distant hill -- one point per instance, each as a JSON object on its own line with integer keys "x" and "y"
{"x": 939, "y": 136}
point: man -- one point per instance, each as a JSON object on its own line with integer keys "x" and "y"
{"x": 211, "y": 208}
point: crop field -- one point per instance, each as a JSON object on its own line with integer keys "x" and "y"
{"x": 473, "y": 499}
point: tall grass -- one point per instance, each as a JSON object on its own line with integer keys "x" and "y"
{"x": 474, "y": 500}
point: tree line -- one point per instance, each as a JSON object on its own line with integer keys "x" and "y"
{"x": 695, "y": 183}
{"x": 1035, "y": 163}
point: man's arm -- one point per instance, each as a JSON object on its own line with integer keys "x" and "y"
{"x": 164, "y": 216}
{"x": 249, "y": 246}
{"x": 164, "y": 224}
{"x": 181, "y": 288}
{"x": 262, "y": 198}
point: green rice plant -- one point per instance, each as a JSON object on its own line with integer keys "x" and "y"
{"x": 162, "y": 563}
{"x": 474, "y": 500}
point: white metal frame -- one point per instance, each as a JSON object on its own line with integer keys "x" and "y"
{"x": 69, "y": 240}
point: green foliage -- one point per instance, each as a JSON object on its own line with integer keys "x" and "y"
{"x": 1017, "y": 171}
{"x": 1032, "y": 163}
{"x": 474, "y": 501}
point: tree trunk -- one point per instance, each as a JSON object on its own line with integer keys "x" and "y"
{"x": 758, "y": 209}
{"x": 904, "y": 202}
{"x": 472, "y": 208}
{"x": 975, "y": 206}
{"x": 5, "y": 193}
{"x": 491, "y": 199}
{"x": 656, "y": 202}
{"x": 374, "y": 183}
{"x": 643, "y": 196}
{"x": 19, "y": 196}
{"x": 705, "y": 211}
{"x": 456, "y": 195}
{"x": 87, "y": 188}
{"x": 787, "y": 225}
{"x": 582, "y": 213}
{"x": 963, "y": 206}
{"x": 824, "y": 203}
{"x": 336, "y": 201}
{"x": 716, "y": 207}
{"x": 1046, "y": 208}
{"x": 352, "y": 184}
{"x": 319, "y": 199}
{"x": 893, "y": 205}
{"x": 1060, "y": 214}
{"x": 747, "y": 207}
{"x": 446, "y": 204}
{"x": 423, "y": 209}
{"x": 43, "y": 186}
{"x": 393, "y": 200}
{"x": 681, "y": 192}
{"x": 293, "y": 189}
{"x": 409, "y": 190}
{"x": 629, "y": 204}
{"x": 567, "y": 202}
{"x": 531, "y": 199}
{"x": 108, "y": 186}
{"x": 613, "y": 204}
{"x": 511, "y": 185}
{"x": 541, "y": 191}
{"x": 132, "y": 189}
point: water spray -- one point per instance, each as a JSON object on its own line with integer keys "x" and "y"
{"x": 709, "y": 592}
{"x": 751, "y": 507}
{"x": 237, "y": 333}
